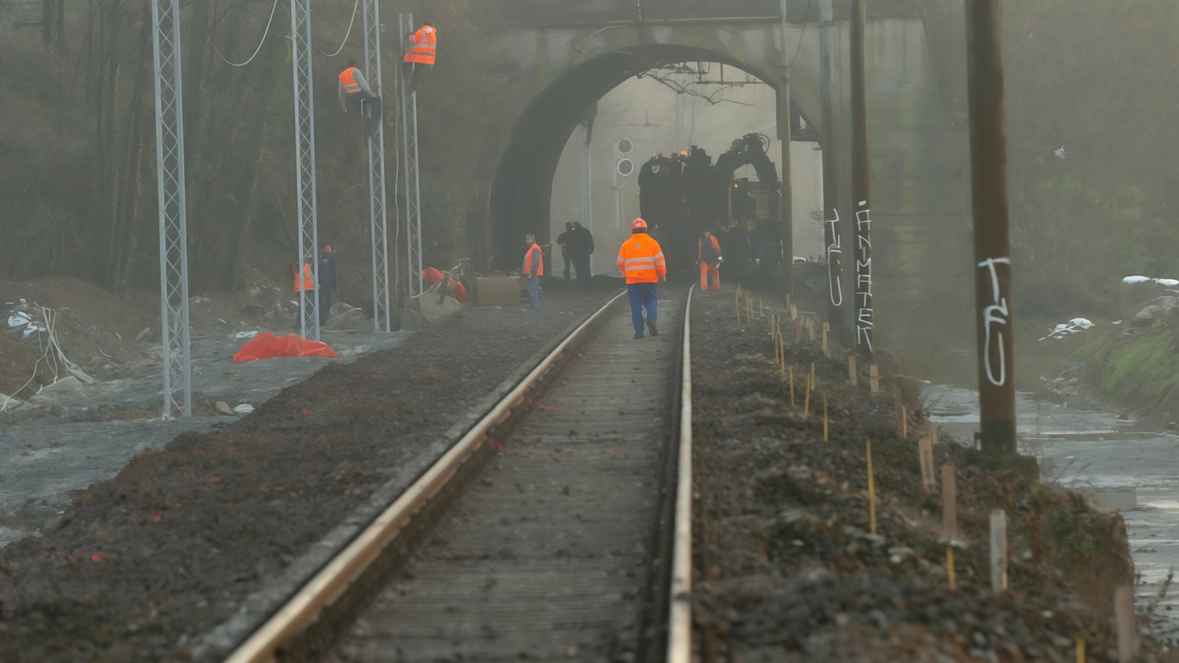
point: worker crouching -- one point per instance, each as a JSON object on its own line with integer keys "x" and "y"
{"x": 641, "y": 261}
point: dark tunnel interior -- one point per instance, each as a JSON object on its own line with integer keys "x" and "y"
{"x": 522, "y": 186}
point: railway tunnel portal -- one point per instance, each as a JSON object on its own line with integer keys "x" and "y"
{"x": 562, "y": 60}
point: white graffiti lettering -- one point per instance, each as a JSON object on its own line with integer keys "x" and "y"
{"x": 864, "y": 324}
{"x": 834, "y": 257}
{"x": 998, "y": 314}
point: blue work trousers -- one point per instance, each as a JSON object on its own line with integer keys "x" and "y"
{"x": 640, "y": 295}
{"x": 534, "y": 292}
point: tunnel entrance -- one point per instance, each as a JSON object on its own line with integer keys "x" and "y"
{"x": 522, "y": 186}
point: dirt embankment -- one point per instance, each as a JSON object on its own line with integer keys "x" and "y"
{"x": 787, "y": 568}
{"x": 141, "y": 566}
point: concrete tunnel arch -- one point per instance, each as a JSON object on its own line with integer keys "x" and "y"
{"x": 522, "y": 186}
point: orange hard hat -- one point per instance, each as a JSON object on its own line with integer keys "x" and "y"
{"x": 683, "y": 153}
{"x": 638, "y": 224}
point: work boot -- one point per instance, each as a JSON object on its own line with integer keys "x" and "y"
{"x": 638, "y": 335}
{"x": 651, "y": 328}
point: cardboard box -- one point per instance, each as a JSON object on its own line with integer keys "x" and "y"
{"x": 501, "y": 291}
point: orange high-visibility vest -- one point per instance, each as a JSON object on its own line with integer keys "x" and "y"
{"x": 308, "y": 280}
{"x": 539, "y": 261}
{"x": 348, "y": 80}
{"x": 641, "y": 259}
{"x": 700, "y": 246}
{"x": 422, "y": 46}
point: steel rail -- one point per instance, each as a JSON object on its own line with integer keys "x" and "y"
{"x": 679, "y": 622}
{"x": 329, "y": 584}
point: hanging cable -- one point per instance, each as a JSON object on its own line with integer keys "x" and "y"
{"x": 256, "y": 50}
{"x": 346, "y": 34}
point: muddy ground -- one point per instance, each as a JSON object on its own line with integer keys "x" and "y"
{"x": 139, "y": 567}
{"x": 787, "y": 569}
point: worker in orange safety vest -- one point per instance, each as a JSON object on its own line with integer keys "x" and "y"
{"x": 533, "y": 270}
{"x": 641, "y": 261}
{"x": 353, "y": 87}
{"x": 419, "y": 56}
{"x": 305, "y": 284}
{"x": 708, "y": 254}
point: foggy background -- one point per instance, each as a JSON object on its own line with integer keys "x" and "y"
{"x": 644, "y": 110}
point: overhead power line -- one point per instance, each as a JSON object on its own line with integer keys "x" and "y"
{"x": 256, "y": 50}
{"x": 346, "y": 35}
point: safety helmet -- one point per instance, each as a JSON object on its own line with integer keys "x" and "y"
{"x": 638, "y": 224}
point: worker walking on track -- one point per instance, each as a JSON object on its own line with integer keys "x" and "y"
{"x": 419, "y": 56}
{"x": 533, "y": 270}
{"x": 641, "y": 261}
{"x": 708, "y": 254}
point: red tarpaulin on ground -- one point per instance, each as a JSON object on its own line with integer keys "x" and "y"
{"x": 267, "y": 345}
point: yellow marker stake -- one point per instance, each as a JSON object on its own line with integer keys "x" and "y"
{"x": 871, "y": 492}
{"x": 1080, "y": 650}
{"x": 782, "y": 350}
{"x": 812, "y": 375}
{"x": 950, "y": 568}
{"x": 791, "y": 386}
{"x": 806, "y": 403}
{"x": 824, "y": 418}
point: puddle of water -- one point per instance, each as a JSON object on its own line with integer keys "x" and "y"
{"x": 1116, "y": 461}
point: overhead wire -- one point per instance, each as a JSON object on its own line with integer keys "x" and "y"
{"x": 346, "y": 35}
{"x": 256, "y": 50}
{"x": 805, "y": 21}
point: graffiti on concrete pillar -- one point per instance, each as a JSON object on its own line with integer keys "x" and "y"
{"x": 994, "y": 315}
{"x": 864, "y": 313}
{"x": 834, "y": 260}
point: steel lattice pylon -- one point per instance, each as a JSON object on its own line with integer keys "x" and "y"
{"x": 413, "y": 194}
{"x": 305, "y": 160}
{"x": 376, "y": 172}
{"x": 170, "y": 182}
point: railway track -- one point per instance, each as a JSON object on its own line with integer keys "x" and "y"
{"x": 557, "y": 528}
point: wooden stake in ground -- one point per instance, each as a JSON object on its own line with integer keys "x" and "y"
{"x": 812, "y": 375}
{"x": 931, "y": 431}
{"x": 806, "y": 404}
{"x": 949, "y": 503}
{"x": 874, "y": 378}
{"x": 810, "y": 329}
{"x": 851, "y": 370}
{"x": 904, "y": 423}
{"x": 950, "y": 568}
{"x": 826, "y": 330}
{"x": 782, "y": 350}
{"x": 824, "y": 418}
{"x": 1124, "y": 619}
{"x": 791, "y": 386}
{"x": 998, "y": 551}
{"x": 925, "y": 453}
{"x": 871, "y": 491}
{"x": 1080, "y": 650}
